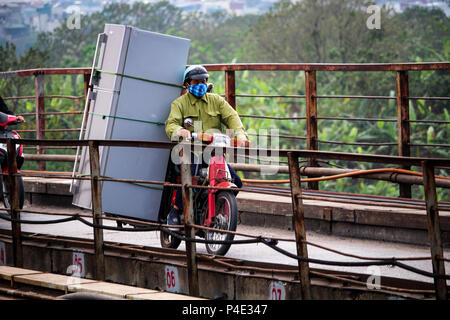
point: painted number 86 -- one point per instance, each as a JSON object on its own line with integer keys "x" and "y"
{"x": 170, "y": 279}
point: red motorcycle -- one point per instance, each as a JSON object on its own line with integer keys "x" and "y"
{"x": 5, "y": 132}
{"x": 213, "y": 208}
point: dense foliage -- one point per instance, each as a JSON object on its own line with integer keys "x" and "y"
{"x": 309, "y": 31}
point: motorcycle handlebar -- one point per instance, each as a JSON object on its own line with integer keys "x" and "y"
{"x": 208, "y": 138}
{"x": 7, "y": 119}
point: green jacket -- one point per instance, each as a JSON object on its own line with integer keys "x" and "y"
{"x": 211, "y": 109}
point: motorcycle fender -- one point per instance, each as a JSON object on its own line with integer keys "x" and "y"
{"x": 212, "y": 200}
{"x": 226, "y": 184}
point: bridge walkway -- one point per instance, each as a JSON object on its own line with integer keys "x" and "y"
{"x": 59, "y": 285}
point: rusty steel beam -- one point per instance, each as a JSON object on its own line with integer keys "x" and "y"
{"x": 319, "y": 172}
{"x": 241, "y": 277}
{"x": 330, "y": 67}
{"x": 87, "y": 86}
{"x": 188, "y": 212}
{"x": 44, "y": 71}
{"x": 434, "y": 230}
{"x": 262, "y": 67}
{"x": 50, "y": 157}
{"x": 403, "y": 126}
{"x": 14, "y": 204}
{"x": 40, "y": 119}
{"x": 230, "y": 88}
{"x": 413, "y": 161}
{"x": 299, "y": 225}
{"x": 96, "y": 193}
{"x": 311, "y": 120}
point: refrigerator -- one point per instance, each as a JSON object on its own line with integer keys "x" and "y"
{"x": 125, "y": 108}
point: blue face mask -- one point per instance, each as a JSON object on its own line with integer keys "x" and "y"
{"x": 198, "y": 90}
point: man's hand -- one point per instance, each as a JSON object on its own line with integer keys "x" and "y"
{"x": 243, "y": 143}
{"x": 186, "y": 134}
{"x": 21, "y": 119}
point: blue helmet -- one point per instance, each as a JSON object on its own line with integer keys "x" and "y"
{"x": 196, "y": 72}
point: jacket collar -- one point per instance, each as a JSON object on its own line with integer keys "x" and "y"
{"x": 194, "y": 99}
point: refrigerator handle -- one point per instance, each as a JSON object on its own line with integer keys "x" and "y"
{"x": 98, "y": 59}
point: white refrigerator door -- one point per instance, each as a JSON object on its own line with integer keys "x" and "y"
{"x": 111, "y": 57}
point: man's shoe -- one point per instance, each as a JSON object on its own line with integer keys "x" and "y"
{"x": 173, "y": 218}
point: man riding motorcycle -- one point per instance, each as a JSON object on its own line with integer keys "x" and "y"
{"x": 199, "y": 105}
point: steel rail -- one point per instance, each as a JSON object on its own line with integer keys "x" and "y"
{"x": 409, "y": 66}
{"x": 51, "y": 96}
{"x": 244, "y": 95}
{"x": 430, "y": 121}
{"x": 359, "y": 143}
{"x": 271, "y": 117}
{"x": 44, "y": 71}
{"x": 413, "y": 161}
{"x": 277, "y": 136}
{"x": 357, "y": 119}
{"x": 429, "y": 98}
{"x": 429, "y": 145}
{"x": 48, "y": 148}
{"x": 353, "y": 97}
{"x": 330, "y": 66}
{"x": 49, "y": 130}
{"x": 50, "y": 113}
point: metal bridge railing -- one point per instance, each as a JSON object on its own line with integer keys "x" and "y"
{"x": 437, "y": 257}
{"x": 311, "y": 97}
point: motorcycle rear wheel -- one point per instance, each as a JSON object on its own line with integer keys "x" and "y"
{"x": 168, "y": 241}
{"x": 225, "y": 218}
{"x": 6, "y": 191}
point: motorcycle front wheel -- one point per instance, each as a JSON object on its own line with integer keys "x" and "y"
{"x": 6, "y": 191}
{"x": 226, "y": 217}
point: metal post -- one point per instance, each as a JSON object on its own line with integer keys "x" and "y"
{"x": 14, "y": 204}
{"x": 434, "y": 229}
{"x": 230, "y": 88}
{"x": 188, "y": 212}
{"x": 403, "y": 127}
{"x": 299, "y": 225}
{"x": 311, "y": 120}
{"x": 96, "y": 191}
{"x": 87, "y": 80}
{"x": 40, "y": 118}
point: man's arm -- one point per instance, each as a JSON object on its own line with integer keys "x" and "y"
{"x": 174, "y": 122}
{"x": 4, "y": 109}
